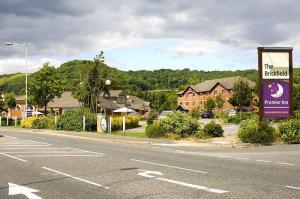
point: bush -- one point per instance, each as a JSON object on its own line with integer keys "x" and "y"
{"x": 72, "y": 120}
{"x": 213, "y": 129}
{"x": 196, "y": 113}
{"x": 241, "y": 117}
{"x": 132, "y": 121}
{"x": 289, "y": 131}
{"x": 43, "y": 123}
{"x": 150, "y": 121}
{"x": 155, "y": 130}
{"x": 253, "y": 131}
{"x": 28, "y": 122}
{"x": 181, "y": 124}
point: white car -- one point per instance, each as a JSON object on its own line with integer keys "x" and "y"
{"x": 164, "y": 114}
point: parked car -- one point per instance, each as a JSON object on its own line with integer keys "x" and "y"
{"x": 207, "y": 114}
{"x": 164, "y": 114}
{"x": 232, "y": 113}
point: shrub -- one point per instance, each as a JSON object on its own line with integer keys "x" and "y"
{"x": 253, "y": 131}
{"x": 155, "y": 130}
{"x": 72, "y": 120}
{"x": 28, "y": 122}
{"x": 150, "y": 121}
{"x": 43, "y": 123}
{"x": 132, "y": 121}
{"x": 289, "y": 131}
{"x": 241, "y": 117}
{"x": 213, "y": 129}
{"x": 196, "y": 113}
{"x": 179, "y": 123}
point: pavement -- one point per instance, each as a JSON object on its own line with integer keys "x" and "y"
{"x": 44, "y": 164}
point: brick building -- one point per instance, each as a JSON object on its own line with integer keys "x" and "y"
{"x": 196, "y": 95}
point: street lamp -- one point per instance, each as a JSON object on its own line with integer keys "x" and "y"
{"x": 25, "y": 45}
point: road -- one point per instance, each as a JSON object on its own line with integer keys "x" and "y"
{"x": 58, "y": 166}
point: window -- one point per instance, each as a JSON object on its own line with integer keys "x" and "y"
{"x": 180, "y": 103}
{"x": 193, "y": 94}
{"x": 187, "y": 103}
{"x": 215, "y": 92}
{"x": 200, "y": 102}
{"x": 194, "y": 103}
{"x": 223, "y": 92}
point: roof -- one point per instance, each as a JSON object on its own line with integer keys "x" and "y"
{"x": 115, "y": 93}
{"x": 137, "y": 103}
{"x": 181, "y": 107}
{"x": 65, "y": 101}
{"x": 227, "y": 83}
{"x": 19, "y": 98}
{"x": 108, "y": 104}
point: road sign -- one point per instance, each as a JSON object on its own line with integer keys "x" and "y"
{"x": 275, "y": 82}
{"x": 276, "y": 99}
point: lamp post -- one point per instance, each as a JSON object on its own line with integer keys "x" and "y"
{"x": 25, "y": 45}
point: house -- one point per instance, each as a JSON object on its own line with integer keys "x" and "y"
{"x": 19, "y": 110}
{"x": 196, "y": 95}
{"x": 118, "y": 99}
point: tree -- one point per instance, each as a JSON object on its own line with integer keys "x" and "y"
{"x": 9, "y": 101}
{"x": 219, "y": 101}
{"x": 210, "y": 104}
{"x": 45, "y": 85}
{"x": 93, "y": 84}
{"x": 242, "y": 94}
{"x": 195, "y": 113}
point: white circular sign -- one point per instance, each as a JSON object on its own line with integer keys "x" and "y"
{"x": 103, "y": 124}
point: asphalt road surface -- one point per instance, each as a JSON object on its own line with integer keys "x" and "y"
{"x": 45, "y": 165}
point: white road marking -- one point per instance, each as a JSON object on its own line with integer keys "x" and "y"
{"x": 29, "y": 152}
{"x": 204, "y": 188}
{"x": 170, "y": 166}
{"x": 10, "y": 136}
{"x": 13, "y": 157}
{"x": 32, "y": 148}
{"x": 225, "y": 156}
{"x": 86, "y": 151}
{"x": 286, "y": 163}
{"x": 76, "y": 178}
{"x": 27, "y": 145}
{"x": 151, "y": 174}
{"x": 69, "y": 155}
{"x": 240, "y": 158}
{"x": 15, "y": 189}
{"x": 266, "y": 161}
{"x": 291, "y": 187}
{"x": 36, "y": 142}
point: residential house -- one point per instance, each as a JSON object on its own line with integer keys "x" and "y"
{"x": 118, "y": 99}
{"x": 196, "y": 95}
{"x": 19, "y": 110}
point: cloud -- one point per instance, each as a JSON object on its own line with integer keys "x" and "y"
{"x": 72, "y": 27}
{"x": 14, "y": 65}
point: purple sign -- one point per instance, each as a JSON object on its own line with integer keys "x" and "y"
{"x": 276, "y": 99}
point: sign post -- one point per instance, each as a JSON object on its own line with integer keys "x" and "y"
{"x": 275, "y": 66}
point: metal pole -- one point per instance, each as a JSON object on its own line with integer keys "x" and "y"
{"x": 83, "y": 123}
{"x": 26, "y": 97}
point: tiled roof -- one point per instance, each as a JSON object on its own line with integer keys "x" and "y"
{"x": 65, "y": 101}
{"x": 228, "y": 83}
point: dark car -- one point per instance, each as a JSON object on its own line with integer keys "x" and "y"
{"x": 207, "y": 114}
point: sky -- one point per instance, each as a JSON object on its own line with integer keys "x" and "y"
{"x": 146, "y": 34}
